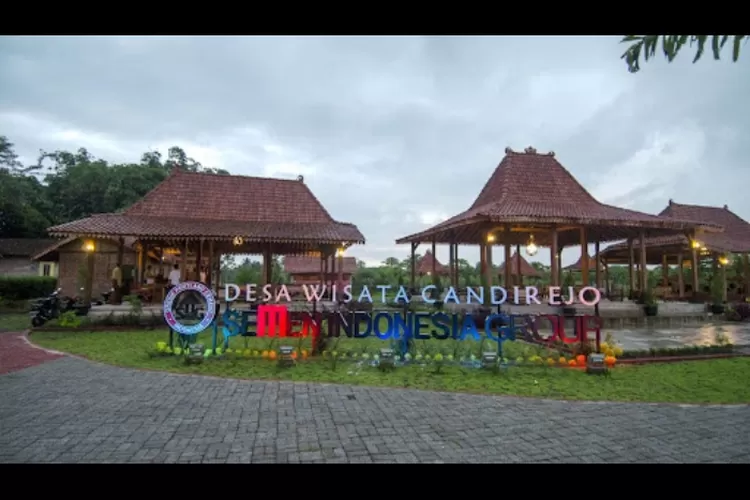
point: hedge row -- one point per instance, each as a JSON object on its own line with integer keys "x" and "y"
{"x": 26, "y": 287}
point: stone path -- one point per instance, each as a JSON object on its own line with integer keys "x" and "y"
{"x": 71, "y": 410}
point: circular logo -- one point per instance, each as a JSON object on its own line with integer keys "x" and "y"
{"x": 189, "y": 308}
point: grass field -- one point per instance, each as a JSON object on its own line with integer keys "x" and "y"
{"x": 715, "y": 381}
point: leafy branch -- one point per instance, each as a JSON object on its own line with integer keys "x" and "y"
{"x": 647, "y": 45}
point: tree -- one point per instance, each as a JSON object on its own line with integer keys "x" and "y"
{"x": 646, "y": 45}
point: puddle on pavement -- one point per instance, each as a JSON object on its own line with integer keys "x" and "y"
{"x": 646, "y": 338}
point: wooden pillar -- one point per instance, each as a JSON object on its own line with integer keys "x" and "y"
{"x": 490, "y": 268}
{"x": 680, "y": 276}
{"x": 506, "y": 273}
{"x": 664, "y": 270}
{"x": 643, "y": 270}
{"x": 199, "y": 261}
{"x": 183, "y": 271}
{"x": 554, "y": 273}
{"x": 598, "y": 264}
{"x": 451, "y": 264}
{"x": 694, "y": 268}
{"x": 519, "y": 274}
{"x": 482, "y": 260}
{"x": 217, "y": 265}
{"x": 606, "y": 277}
{"x": 90, "y": 269}
{"x": 413, "y": 277}
{"x": 487, "y": 273}
{"x": 209, "y": 270}
{"x": 746, "y": 272}
{"x": 584, "y": 257}
{"x": 142, "y": 249}
{"x": 724, "y": 283}
{"x": 323, "y": 256}
{"x": 559, "y": 266}
{"x": 434, "y": 260}
{"x": 454, "y": 272}
{"x": 631, "y": 271}
{"x": 333, "y": 274}
{"x": 340, "y": 267}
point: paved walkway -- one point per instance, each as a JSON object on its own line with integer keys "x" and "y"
{"x": 71, "y": 410}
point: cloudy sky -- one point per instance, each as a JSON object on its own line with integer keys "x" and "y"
{"x": 391, "y": 133}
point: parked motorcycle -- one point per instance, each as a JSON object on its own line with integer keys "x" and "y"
{"x": 53, "y": 305}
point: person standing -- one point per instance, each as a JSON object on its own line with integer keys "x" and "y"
{"x": 117, "y": 284}
{"x": 174, "y": 277}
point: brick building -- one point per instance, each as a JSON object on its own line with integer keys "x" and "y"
{"x": 16, "y": 257}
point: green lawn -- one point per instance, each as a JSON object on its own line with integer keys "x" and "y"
{"x": 717, "y": 381}
{"x": 14, "y": 322}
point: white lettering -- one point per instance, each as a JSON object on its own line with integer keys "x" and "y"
{"x": 531, "y": 294}
{"x": 554, "y": 295}
{"x": 582, "y": 296}
{"x": 234, "y": 288}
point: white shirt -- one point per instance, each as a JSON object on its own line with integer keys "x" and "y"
{"x": 174, "y": 277}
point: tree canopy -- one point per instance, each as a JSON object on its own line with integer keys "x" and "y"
{"x": 646, "y": 46}
{"x": 63, "y": 186}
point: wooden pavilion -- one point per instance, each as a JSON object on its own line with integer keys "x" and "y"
{"x": 519, "y": 269}
{"x": 430, "y": 266}
{"x": 306, "y": 269}
{"x": 532, "y": 198}
{"x": 198, "y": 217}
{"x": 681, "y": 251}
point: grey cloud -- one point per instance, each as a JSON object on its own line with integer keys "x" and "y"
{"x": 397, "y": 126}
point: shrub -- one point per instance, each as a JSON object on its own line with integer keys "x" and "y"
{"x": 26, "y": 287}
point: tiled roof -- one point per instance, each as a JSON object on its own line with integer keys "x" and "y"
{"x": 526, "y": 268}
{"x": 734, "y": 238}
{"x": 577, "y": 266}
{"x": 530, "y": 188}
{"x": 51, "y": 250}
{"x": 303, "y": 264}
{"x": 23, "y": 247}
{"x": 425, "y": 264}
{"x": 211, "y": 206}
{"x": 103, "y": 225}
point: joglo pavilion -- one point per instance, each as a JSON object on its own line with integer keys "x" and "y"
{"x": 529, "y": 201}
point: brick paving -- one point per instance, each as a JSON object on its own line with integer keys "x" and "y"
{"x": 17, "y": 354}
{"x": 72, "y": 410}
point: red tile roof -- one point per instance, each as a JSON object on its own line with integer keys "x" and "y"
{"x": 734, "y": 239}
{"x": 200, "y": 205}
{"x": 303, "y": 264}
{"x": 526, "y": 268}
{"x": 425, "y": 264}
{"x": 578, "y": 264}
{"x": 530, "y": 188}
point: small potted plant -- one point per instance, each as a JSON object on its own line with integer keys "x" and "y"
{"x": 717, "y": 297}
{"x": 650, "y": 307}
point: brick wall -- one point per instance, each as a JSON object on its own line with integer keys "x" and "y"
{"x": 18, "y": 266}
{"x": 73, "y": 258}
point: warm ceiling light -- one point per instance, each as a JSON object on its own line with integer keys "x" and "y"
{"x": 340, "y": 252}
{"x": 531, "y": 247}
{"x": 89, "y": 246}
{"x": 723, "y": 260}
{"x": 237, "y": 241}
{"x": 696, "y": 244}
{"x": 490, "y": 238}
